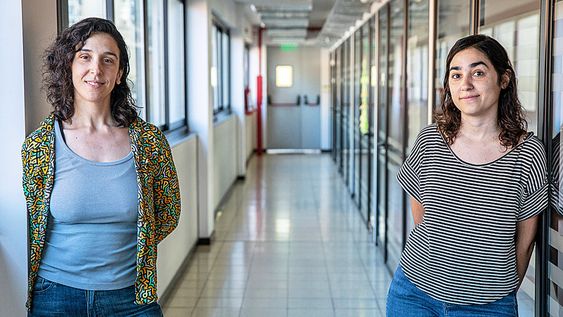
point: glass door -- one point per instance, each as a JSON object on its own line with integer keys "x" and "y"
{"x": 381, "y": 153}
{"x": 364, "y": 123}
{"x": 395, "y": 136}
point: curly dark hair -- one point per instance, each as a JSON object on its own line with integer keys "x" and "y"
{"x": 511, "y": 119}
{"x": 57, "y": 72}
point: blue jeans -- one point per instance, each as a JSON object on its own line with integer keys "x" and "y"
{"x": 53, "y": 299}
{"x": 406, "y": 300}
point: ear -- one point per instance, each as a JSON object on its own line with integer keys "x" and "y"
{"x": 119, "y": 74}
{"x": 505, "y": 80}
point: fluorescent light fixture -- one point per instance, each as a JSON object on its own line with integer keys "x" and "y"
{"x": 253, "y": 8}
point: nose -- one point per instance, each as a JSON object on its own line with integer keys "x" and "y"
{"x": 466, "y": 83}
{"x": 95, "y": 68}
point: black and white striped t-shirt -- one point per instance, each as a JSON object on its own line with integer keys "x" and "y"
{"x": 464, "y": 250}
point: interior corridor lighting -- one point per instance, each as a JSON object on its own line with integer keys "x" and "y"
{"x": 253, "y": 8}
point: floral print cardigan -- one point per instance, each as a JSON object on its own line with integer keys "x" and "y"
{"x": 158, "y": 196}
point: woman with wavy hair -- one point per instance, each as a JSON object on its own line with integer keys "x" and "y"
{"x": 100, "y": 184}
{"x": 477, "y": 181}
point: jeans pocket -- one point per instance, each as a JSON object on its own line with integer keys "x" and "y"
{"x": 42, "y": 285}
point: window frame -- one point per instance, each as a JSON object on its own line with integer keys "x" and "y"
{"x": 221, "y": 69}
{"x": 168, "y": 126}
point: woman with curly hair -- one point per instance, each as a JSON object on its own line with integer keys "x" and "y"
{"x": 477, "y": 181}
{"x": 100, "y": 184}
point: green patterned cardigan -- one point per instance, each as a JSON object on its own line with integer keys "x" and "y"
{"x": 158, "y": 198}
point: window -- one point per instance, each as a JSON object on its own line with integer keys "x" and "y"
{"x": 221, "y": 68}
{"x": 284, "y": 76}
{"x": 155, "y": 35}
{"x": 176, "y": 65}
{"x": 80, "y": 9}
{"x": 129, "y": 21}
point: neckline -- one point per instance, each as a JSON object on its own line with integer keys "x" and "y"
{"x": 68, "y": 150}
{"x": 528, "y": 137}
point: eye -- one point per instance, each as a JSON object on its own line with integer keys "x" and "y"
{"x": 455, "y": 76}
{"x": 84, "y": 57}
{"x": 478, "y": 73}
{"x": 108, "y": 60}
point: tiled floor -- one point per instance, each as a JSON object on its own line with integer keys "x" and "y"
{"x": 289, "y": 242}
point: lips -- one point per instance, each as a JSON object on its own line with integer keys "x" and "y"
{"x": 469, "y": 97}
{"x": 94, "y": 84}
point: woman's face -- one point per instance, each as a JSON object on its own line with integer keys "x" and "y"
{"x": 95, "y": 70}
{"x": 474, "y": 85}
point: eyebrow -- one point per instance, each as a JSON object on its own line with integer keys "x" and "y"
{"x": 472, "y": 65}
{"x": 105, "y": 53}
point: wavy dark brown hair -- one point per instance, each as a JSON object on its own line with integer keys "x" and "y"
{"x": 511, "y": 119}
{"x": 57, "y": 73}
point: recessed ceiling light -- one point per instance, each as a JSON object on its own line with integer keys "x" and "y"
{"x": 253, "y": 8}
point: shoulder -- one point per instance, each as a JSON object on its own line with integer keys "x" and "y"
{"x": 41, "y": 136}
{"x": 533, "y": 144}
{"x": 146, "y": 130}
{"x": 428, "y": 135}
{"x": 148, "y": 136}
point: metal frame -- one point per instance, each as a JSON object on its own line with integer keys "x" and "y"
{"x": 545, "y": 125}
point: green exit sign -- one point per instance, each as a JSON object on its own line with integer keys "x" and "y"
{"x": 288, "y": 47}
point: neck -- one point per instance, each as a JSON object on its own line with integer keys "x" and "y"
{"x": 479, "y": 128}
{"x": 92, "y": 116}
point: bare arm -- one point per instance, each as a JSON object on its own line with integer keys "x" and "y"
{"x": 417, "y": 211}
{"x": 525, "y": 236}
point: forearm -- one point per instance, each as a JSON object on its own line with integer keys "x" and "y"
{"x": 525, "y": 236}
{"x": 523, "y": 254}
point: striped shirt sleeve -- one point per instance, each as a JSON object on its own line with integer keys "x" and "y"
{"x": 535, "y": 196}
{"x": 409, "y": 173}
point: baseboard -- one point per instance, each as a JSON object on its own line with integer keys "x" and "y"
{"x": 206, "y": 241}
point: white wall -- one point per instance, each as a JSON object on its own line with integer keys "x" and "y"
{"x": 13, "y": 228}
{"x": 174, "y": 249}
{"x": 226, "y": 151}
{"x": 250, "y": 135}
{"x": 200, "y": 108}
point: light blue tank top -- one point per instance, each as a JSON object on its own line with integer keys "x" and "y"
{"x": 92, "y": 231}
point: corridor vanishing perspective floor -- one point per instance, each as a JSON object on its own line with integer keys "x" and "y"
{"x": 289, "y": 242}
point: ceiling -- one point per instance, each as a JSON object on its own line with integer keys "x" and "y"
{"x": 306, "y": 22}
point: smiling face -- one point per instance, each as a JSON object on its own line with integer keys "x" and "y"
{"x": 474, "y": 84}
{"x": 95, "y": 70}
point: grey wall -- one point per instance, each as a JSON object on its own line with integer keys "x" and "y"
{"x": 306, "y": 73}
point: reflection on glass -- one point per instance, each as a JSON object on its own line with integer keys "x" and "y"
{"x": 381, "y": 211}
{"x": 396, "y": 51}
{"x": 555, "y": 236}
{"x": 80, "y": 9}
{"x": 338, "y": 140}
{"x": 518, "y": 31}
{"x": 417, "y": 76}
{"x": 417, "y": 69}
{"x": 226, "y": 71}
{"x": 129, "y": 22}
{"x": 155, "y": 66}
{"x": 346, "y": 109}
{"x": 453, "y": 23}
{"x": 176, "y": 60}
{"x": 356, "y": 121}
{"x": 364, "y": 122}
{"x": 519, "y": 34}
{"x": 396, "y": 113}
{"x": 214, "y": 67}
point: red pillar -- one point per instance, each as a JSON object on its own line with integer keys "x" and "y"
{"x": 259, "y": 145}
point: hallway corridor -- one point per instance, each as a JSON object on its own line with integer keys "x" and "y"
{"x": 288, "y": 242}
